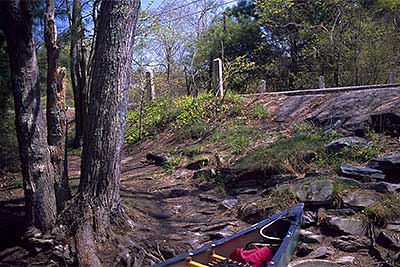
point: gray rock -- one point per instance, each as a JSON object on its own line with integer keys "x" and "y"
{"x": 361, "y": 199}
{"x": 346, "y": 260}
{"x": 315, "y": 192}
{"x": 383, "y": 187}
{"x": 341, "y": 212}
{"x": 313, "y": 263}
{"x": 198, "y": 164}
{"x": 158, "y": 159}
{"x": 337, "y": 226}
{"x": 322, "y": 253}
{"x": 339, "y": 144}
{"x": 303, "y": 250}
{"x": 393, "y": 226}
{"x": 254, "y": 212}
{"x": 351, "y": 243}
{"x": 361, "y": 173}
{"x": 209, "y": 198}
{"x": 354, "y": 109}
{"x": 390, "y": 165}
{"x": 349, "y": 181}
{"x": 310, "y": 237}
{"x": 229, "y": 203}
{"x": 388, "y": 239}
{"x": 309, "y": 219}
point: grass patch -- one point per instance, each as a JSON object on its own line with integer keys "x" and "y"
{"x": 280, "y": 198}
{"x": 172, "y": 164}
{"x": 260, "y": 111}
{"x": 194, "y": 131}
{"x": 386, "y": 211}
{"x": 237, "y": 137}
{"x": 291, "y": 154}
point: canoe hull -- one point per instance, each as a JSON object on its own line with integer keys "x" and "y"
{"x": 289, "y": 232}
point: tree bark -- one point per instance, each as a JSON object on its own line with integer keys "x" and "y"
{"x": 78, "y": 72}
{"x": 103, "y": 139}
{"x": 37, "y": 171}
{"x": 55, "y": 108}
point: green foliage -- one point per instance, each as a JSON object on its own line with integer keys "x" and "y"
{"x": 288, "y": 153}
{"x": 172, "y": 164}
{"x": 387, "y": 210}
{"x": 236, "y": 137}
{"x": 260, "y": 111}
{"x": 280, "y": 198}
{"x": 180, "y": 112}
{"x": 193, "y": 131}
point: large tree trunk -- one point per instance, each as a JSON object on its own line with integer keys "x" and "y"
{"x": 78, "y": 72}
{"x": 103, "y": 139}
{"x": 55, "y": 108}
{"x": 37, "y": 170}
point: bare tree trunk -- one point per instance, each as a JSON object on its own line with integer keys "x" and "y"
{"x": 78, "y": 71}
{"x": 102, "y": 148}
{"x": 55, "y": 108}
{"x": 37, "y": 170}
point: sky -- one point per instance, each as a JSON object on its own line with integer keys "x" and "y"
{"x": 156, "y": 3}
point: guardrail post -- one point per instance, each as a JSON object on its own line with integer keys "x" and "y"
{"x": 218, "y": 78}
{"x": 321, "y": 82}
{"x": 263, "y": 86}
{"x": 391, "y": 77}
{"x": 150, "y": 86}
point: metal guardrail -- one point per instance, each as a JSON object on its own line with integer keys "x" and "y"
{"x": 328, "y": 90}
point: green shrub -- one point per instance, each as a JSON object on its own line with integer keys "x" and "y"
{"x": 172, "y": 164}
{"x": 260, "y": 111}
{"x": 193, "y": 131}
{"x": 387, "y": 210}
{"x": 9, "y": 156}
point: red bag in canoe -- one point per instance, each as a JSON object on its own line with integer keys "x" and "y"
{"x": 258, "y": 256}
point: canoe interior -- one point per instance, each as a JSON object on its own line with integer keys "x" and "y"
{"x": 284, "y": 225}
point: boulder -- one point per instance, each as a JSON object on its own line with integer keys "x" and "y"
{"x": 315, "y": 192}
{"x": 388, "y": 239}
{"x": 354, "y": 110}
{"x": 254, "y": 212}
{"x": 322, "y": 253}
{"x": 309, "y": 219}
{"x": 228, "y": 203}
{"x": 361, "y": 173}
{"x": 351, "y": 243}
{"x": 198, "y": 164}
{"x": 383, "y": 187}
{"x": 337, "y": 226}
{"x": 310, "y": 237}
{"x": 361, "y": 199}
{"x": 339, "y": 144}
{"x": 346, "y": 260}
{"x": 303, "y": 250}
{"x": 157, "y": 159}
{"x": 389, "y": 165}
{"x": 313, "y": 263}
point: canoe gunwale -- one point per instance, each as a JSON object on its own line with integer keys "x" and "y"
{"x": 295, "y": 211}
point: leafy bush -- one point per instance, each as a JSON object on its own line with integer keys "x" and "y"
{"x": 260, "y": 111}
{"x": 8, "y": 143}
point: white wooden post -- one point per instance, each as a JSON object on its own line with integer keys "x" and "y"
{"x": 263, "y": 86}
{"x": 321, "y": 82}
{"x": 218, "y": 77}
{"x": 150, "y": 86}
{"x": 392, "y": 78}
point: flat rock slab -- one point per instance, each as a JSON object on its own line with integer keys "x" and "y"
{"x": 361, "y": 199}
{"x": 314, "y": 192}
{"x": 351, "y": 243}
{"x": 361, "y": 173}
{"x": 337, "y": 226}
{"x": 313, "y": 263}
{"x": 339, "y": 144}
{"x": 389, "y": 165}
